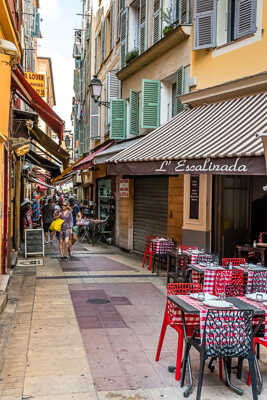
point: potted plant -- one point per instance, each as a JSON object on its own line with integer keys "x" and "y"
{"x": 168, "y": 19}
{"x": 131, "y": 55}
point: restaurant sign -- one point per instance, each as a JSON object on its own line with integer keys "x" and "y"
{"x": 216, "y": 166}
{"x": 37, "y": 82}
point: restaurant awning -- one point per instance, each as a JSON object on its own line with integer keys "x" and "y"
{"x": 42, "y": 162}
{"x": 87, "y": 161}
{"x": 217, "y": 138}
{"x": 40, "y": 182}
{"x": 115, "y": 148}
{"x": 67, "y": 171}
{"x": 49, "y": 116}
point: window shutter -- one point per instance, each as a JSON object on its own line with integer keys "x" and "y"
{"x": 142, "y": 26}
{"x": 180, "y": 87}
{"x": 182, "y": 11}
{"x": 150, "y": 104}
{"x": 96, "y": 58}
{"x": 111, "y": 26}
{"x": 124, "y": 37}
{"x": 205, "y": 24}
{"x": 118, "y": 119}
{"x": 113, "y": 90}
{"x": 245, "y": 17}
{"x": 134, "y": 112}
{"x": 103, "y": 41}
{"x": 157, "y": 21}
{"x": 94, "y": 119}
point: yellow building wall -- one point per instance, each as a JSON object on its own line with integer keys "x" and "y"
{"x": 5, "y": 78}
{"x": 232, "y": 61}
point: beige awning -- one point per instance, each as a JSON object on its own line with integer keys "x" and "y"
{"x": 222, "y": 130}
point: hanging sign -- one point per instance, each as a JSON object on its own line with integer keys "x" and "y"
{"x": 124, "y": 188}
{"x": 37, "y": 82}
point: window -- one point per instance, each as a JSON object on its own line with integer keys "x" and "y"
{"x": 134, "y": 113}
{"x": 94, "y": 120}
{"x": 157, "y": 19}
{"x": 222, "y": 21}
{"x": 124, "y": 37}
{"x": 143, "y": 26}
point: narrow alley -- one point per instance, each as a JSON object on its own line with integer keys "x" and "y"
{"x": 88, "y": 329}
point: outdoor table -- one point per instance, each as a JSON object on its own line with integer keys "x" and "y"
{"x": 94, "y": 225}
{"x": 245, "y": 249}
{"x": 187, "y": 305}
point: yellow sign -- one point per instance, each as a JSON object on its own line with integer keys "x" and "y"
{"x": 37, "y": 81}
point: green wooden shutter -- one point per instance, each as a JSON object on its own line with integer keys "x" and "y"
{"x": 205, "y": 15}
{"x": 134, "y": 112}
{"x": 150, "y": 104}
{"x": 118, "y": 119}
{"x": 180, "y": 87}
{"x": 245, "y": 17}
{"x": 156, "y": 21}
{"x": 124, "y": 37}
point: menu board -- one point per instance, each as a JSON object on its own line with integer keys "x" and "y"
{"x": 194, "y": 197}
{"x": 34, "y": 242}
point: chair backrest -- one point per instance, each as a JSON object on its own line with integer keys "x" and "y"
{"x": 162, "y": 246}
{"x": 174, "y": 313}
{"x": 228, "y": 333}
{"x": 233, "y": 261}
{"x": 259, "y": 282}
{"x": 183, "y": 288}
{"x": 203, "y": 258}
{"x": 234, "y": 290}
{"x": 227, "y": 277}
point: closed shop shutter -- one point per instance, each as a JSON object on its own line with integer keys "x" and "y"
{"x": 150, "y": 209}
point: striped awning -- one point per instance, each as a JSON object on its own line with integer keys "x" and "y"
{"x": 222, "y": 130}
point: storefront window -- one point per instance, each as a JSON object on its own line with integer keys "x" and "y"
{"x": 104, "y": 197}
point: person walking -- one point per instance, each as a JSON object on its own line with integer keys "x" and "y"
{"x": 48, "y": 211}
{"x": 77, "y": 216}
{"x": 65, "y": 234}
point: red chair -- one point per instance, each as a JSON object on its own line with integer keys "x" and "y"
{"x": 234, "y": 261}
{"x": 183, "y": 248}
{"x": 227, "y": 277}
{"x": 148, "y": 251}
{"x": 172, "y": 318}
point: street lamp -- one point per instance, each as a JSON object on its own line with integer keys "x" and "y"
{"x": 95, "y": 88}
{"x": 67, "y": 141}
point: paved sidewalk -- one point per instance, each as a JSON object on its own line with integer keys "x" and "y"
{"x": 88, "y": 329}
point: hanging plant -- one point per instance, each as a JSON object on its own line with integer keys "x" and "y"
{"x": 131, "y": 56}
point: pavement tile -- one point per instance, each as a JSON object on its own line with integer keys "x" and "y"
{"x": 54, "y": 385}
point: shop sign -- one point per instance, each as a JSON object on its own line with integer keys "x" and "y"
{"x": 194, "y": 197}
{"x": 37, "y": 82}
{"x": 216, "y": 166}
{"x": 124, "y": 188}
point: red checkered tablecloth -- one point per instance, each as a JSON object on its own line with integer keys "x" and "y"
{"x": 261, "y": 306}
{"x": 161, "y": 246}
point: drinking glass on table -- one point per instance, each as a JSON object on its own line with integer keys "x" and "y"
{"x": 259, "y": 296}
{"x": 201, "y": 296}
{"x": 222, "y": 296}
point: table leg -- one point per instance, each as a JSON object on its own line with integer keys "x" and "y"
{"x": 186, "y": 359}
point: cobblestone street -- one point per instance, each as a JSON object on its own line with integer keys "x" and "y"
{"x": 88, "y": 328}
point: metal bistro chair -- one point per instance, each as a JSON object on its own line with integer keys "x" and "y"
{"x": 148, "y": 251}
{"x": 227, "y": 334}
{"x": 234, "y": 261}
{"x": 259, "y": 282}
{"x": 172, "y": 318}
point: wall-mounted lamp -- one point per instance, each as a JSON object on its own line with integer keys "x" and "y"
{"x": 95, "y": 88}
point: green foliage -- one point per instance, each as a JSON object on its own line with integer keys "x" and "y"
{"x": 131, "y": 55}
{"x": 167, "y": 29}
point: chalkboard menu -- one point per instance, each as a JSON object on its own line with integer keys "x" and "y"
{"x": 34, "y": 242}
{"x": 194, "y": 197}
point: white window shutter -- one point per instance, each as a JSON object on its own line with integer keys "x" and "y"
{"x": 114, "y": 88}
{"x": 205, "y": 13}
{"x": 142, "y": 26}
{"x": 157, "y": 21}
{"x": 124, "y": 37}
{"x": 94, "y": 120}
{"x": 112, "y": 11}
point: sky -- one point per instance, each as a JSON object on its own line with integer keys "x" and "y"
{"x": 57, "y": 26}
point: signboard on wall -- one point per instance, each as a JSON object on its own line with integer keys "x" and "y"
{"x": 194, "y": 197}
{"x": 124, "y": 188}
{"x": 37, "y": 82}
{"x": 34, "y": 242}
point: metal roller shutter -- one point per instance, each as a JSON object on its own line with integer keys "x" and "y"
{"x": 150, "y": 209}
